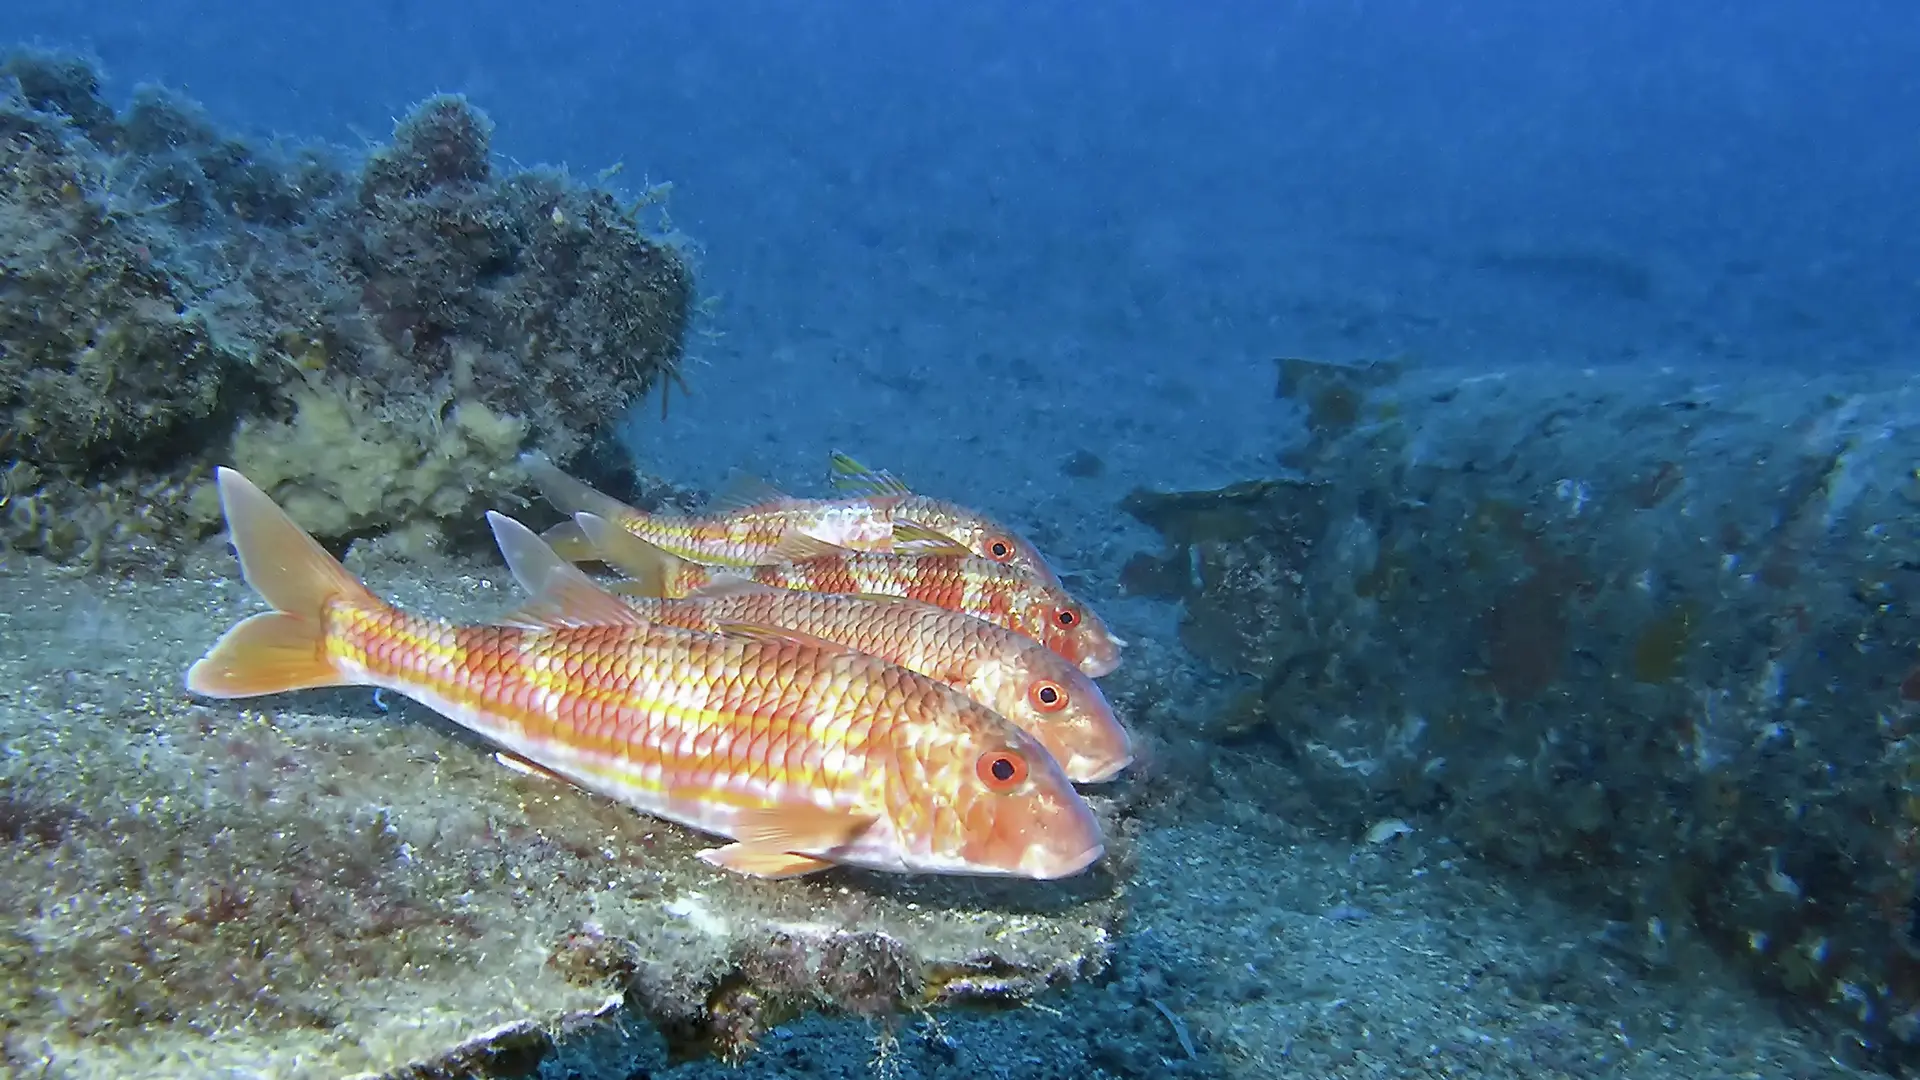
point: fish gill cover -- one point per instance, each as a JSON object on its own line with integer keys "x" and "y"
{"x": 373, "y": 343}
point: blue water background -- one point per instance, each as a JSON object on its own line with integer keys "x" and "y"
{"x": 966, "y": 240}
{"x": 1137, "y": 204}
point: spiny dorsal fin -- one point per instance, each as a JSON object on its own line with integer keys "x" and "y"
{"x": 561, "y": 593}
{"x": 849, "y": 476}
{"x": 782, "y": 635}
{"x": 911, "y": 539}
{"x": 742, "y": 492}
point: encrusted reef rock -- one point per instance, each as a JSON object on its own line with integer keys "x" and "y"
{"x": 337, "y": 884}
{"x": 1649, "y": 633}
{"x": 372, "y": 342}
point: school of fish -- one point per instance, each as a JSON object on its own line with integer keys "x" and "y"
{"x": 878, "y": 679}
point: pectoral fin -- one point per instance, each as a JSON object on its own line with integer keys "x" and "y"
{"x": 798, "y": 828}
{"x": 770, "y": 840}
{"x": 912, "y": 539}
{"x": 799, "y": 547}
{"x": 764, "y": 632}
{"x": 752, "y": 862}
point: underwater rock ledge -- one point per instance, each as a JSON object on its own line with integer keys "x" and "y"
{"x": 372, "y": 338}
{"x": 338, "y": 883}
{"x": 1649, "y": 635}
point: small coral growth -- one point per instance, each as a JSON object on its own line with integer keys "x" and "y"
{"x": 341, "y": 469}
{"x": 172, "y": 298}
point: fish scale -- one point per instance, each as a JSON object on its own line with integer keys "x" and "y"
{"x": 1001, "y": 595}
{"x": 760, "y": 525}
{"x": 688, "y": 725}
{"x": 997, "y": 667}
{"x": 806, "y": 756}
{"x": 752, "y": 534}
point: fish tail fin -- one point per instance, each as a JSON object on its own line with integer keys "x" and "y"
{"x": 286, "y": 648}
{"x": 559, "y": 593}
{"x": 567, "y": 541}
{"x": 569, "y": 494}
{"x": 651, "y": 569}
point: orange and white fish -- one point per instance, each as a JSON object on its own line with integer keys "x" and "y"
{"x": 957, "y": 582}
{"x": 1006, "y": 671}
{"x": 805, "y": 756}
{"x": 754, "y": 524}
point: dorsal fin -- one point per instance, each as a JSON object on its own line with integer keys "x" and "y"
{"x": 744, "y": 492}
{"x": 911, "y": 539}
{"x": 561, "y": 593}
{"x": 849, "y": 476}
{"x": 764, "y": 632}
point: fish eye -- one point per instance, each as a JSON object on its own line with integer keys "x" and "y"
{"x": 999, "y": 550}
{"x": 1001, "y": 770}
{"x": 1047, "y": 696}
{"x": 1066, "y": 616}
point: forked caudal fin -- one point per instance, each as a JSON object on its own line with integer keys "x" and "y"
{"x": 567, "y": 493}
{"x": 650, "y": 569}
{"x": 561, "y": 593}
{"x": 283, "y": 649}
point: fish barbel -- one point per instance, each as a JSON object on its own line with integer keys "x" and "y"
{"x": 755, "y": 524}
{"x": 804, "y": 756}
{"x": 1006, "y": 671}
{"x": 960, "y": 583}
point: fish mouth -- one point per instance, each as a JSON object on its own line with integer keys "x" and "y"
{"x": 1093, "y": 667}
{"x": 1098, "y": 770}
{"x": 1050, "y": 866}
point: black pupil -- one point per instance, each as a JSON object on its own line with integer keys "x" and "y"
{"x": 1066, "y": 618}
{"x": 1048, "y": 695}
{"x": 1002, "y": 769}
{"x": 999, "y": 551}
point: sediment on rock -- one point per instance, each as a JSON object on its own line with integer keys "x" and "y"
{"x": 337, "y": 883}
{"x": 372, "y": 340}
{"x": 1650, "y": 633}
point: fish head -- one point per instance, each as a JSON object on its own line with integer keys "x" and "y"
{"x": 982, "y": 536}
{"x": 996, "y": 543}
{"x": 976, "y": 795}
{"x": 1070, "y": 628}
{"x": 1052, "y": 700}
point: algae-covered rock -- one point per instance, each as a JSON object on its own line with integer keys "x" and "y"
{"x": 171, "y": 296}
{"x": 1645, "y": 632}
{"x": 336, "y": 883}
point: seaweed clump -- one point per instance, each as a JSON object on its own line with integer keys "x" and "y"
{"x": 375, "y": 341}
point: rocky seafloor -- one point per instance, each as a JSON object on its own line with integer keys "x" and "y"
{"x": 328, "y": 884}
